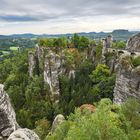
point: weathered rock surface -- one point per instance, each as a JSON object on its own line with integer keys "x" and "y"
{"x": 127, "y": 81}
{"x": 52, "y": 66}
{"x": 133, "y": 43}
{"x": 23, "y": 134}
{"x": 57, "y": 121}
{"x": 32, "y": 63}
{"x": 8, "y": 122}
{"x": 107, "y": 42}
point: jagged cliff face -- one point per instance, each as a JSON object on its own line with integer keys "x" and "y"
{"x": 52, "y": 69}
{"x": 52, "y": 65}
{"x": 127, "y": 75}
{"x": 127, "y": 80}
{"x": 107, "y": 42}
{"x": 133, "y": 43}
{"x": 8, "y": 122}
{"x": 8, "y": 125}
{"x": 32, "y": 63}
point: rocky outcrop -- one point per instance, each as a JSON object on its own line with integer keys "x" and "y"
{"x": 8, "y": 122}
{"x": 51, "y": 65}
{"x": 127, "y": 80}
{"x": 128, "y": 74}
{"x": 23, "y": 134}
{"x": 107, "y": 42}
{"x": 52, "y": 69}
{"x": 32, "y": 63}
{"x": 133, "y": 44}
{"x": 8, "y": 125}
{"x": 57, "y": 121}
{"x": 91, "y": 53}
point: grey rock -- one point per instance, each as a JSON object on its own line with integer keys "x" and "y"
{"x": 57, "y": 121}
{"x": 8, "y": 122}
{"x": 133, "y": 44}
{"x": 23, "y": 134}
{"x": 52, "y": 65}
{"x": 32, "y": 63}
{"x": 91, "y": 53}
{"x": 8, "y": 125}
{"x": 107, "y": 43}
{"x": 127, "y": 81}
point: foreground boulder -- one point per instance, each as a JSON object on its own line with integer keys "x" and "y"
{"x": 8, "y": 125}
{"x": 23, "y": 134}
{"x": 8, "y": 122}
{"x": 57, "y": 121}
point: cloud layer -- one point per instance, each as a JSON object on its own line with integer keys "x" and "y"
{"x": 14, "y": 13}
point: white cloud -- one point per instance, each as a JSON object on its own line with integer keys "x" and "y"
{"x": 61, "y": 16}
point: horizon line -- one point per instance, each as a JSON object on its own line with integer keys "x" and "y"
{"x": 105, "y": 31}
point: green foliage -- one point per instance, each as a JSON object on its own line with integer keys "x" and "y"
{"x": 136, "y": 61}
{"x": 98, "y": 52}
{"x": 84, "y": 88}
{"x": 42, "y": 128}
{"x": 126, "y": 61}
{"x": 103, "y": 83}
{"x": 100, "y": 73}
{"x": 76, "y": 40}
{"x": 24, "y": 118}
{"x": 74, "y": 92}
{"x": 119, "y": 45}
{"x": 28, "y": 95}
{"x": 84, "y": 42}
{"x": 130, "y": 111}
{"x": 103, "y": 124}
{"x": 55, "y": 44}
{"x": 45, "y": 42}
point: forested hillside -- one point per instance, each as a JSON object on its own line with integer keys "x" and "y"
{"x": 58, "y": 77}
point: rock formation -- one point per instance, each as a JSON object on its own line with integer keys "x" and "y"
{"x": 52, "y": 66}
{"x": 107, "y": 42}
{"x": 57, "y": 121}
{"x": 133, "y": 44}
{"x": 23, "y": 134}
{"x": 8, "y": 122}
{"x": 91, "y": 53}
{"x": 32, "y": 63}
{"x": 128, "y": 75}
{"x": 127, "y": 80}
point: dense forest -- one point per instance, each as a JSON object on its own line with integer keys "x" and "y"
{"x": 93, "y": 83}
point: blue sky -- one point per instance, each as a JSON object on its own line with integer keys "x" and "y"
{"x": 63, "y": 16}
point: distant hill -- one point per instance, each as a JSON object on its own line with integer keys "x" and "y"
{"x": 120, "y": 34}
{"x": 28, "y": 35}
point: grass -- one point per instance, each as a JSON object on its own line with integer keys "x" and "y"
{"x": 5, "y": 52}
{"x": 14, "y": 48}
